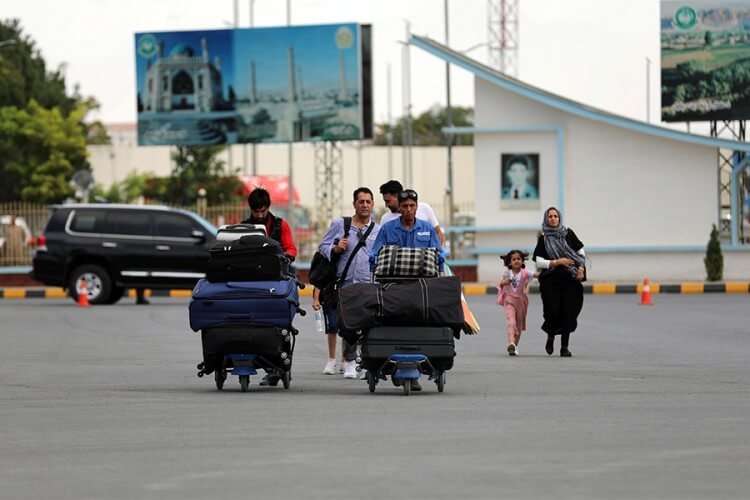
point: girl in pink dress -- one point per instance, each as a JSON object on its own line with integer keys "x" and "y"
{"x": 512, "y": 296}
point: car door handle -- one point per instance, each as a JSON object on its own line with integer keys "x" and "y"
{"x": 162, "y": 248}
{"x": 109, "y": 244}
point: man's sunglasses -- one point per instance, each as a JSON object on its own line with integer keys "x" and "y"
{"x": 407, "y": 194}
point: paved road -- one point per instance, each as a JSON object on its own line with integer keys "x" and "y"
{"x": 104, "y": 403}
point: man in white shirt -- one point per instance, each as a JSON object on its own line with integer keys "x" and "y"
{"x": 390, "y": 191}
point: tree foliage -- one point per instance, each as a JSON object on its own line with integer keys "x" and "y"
{"x": 427, "y": 128}
{"x": 714, "y": 260}
{"x": 195, "y": 167}
{"x": 42, "y": 130}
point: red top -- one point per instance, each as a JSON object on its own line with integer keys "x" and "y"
{"x": 286, "y": 240}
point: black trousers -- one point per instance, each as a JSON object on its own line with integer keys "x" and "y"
{"x": 562, "y": 301}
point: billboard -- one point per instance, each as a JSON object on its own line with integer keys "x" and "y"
{"x": 705, "y": 60}
{"x": 255, "y": 85}
{"x": 519, "y": 180}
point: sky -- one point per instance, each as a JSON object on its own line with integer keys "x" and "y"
{"x": 592, "y": 51}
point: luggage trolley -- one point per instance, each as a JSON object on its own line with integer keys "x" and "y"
{"x": 404, "y": 353}
{"x": 245, "y": 325}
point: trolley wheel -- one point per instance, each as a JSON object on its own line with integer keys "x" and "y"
{"x": 244, "y": 382}
{"x": 372, "y": 380}
{"x": 407, "y": 386}
{"x": 286, "y": 379}
{"x": 220, "y": 375}
{"x": 440, "y": 381}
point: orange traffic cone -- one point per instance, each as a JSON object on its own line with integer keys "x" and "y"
{"x": 83, "y": 295}
{"x": 646, "y": 294}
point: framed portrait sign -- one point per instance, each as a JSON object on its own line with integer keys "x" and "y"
{"x": 519, "y": 180}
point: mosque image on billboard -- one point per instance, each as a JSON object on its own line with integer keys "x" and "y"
{"x": 252, "y": 85}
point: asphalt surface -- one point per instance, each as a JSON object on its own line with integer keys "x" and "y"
{"x": 104, "y": 403}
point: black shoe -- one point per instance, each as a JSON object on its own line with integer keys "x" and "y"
{"x": 550, "y": 345}
{"x": 271, "y": 380}
{"x": 415, "y": 385}
{"x": 565, "y": 353}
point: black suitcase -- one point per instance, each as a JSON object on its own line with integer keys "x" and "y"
{"x": 267, "y": 342}
{"x": 251, "y": 258}
{"x": 437, "y": 343}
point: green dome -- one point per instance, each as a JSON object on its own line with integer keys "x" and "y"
{"x": 182, "y": 49}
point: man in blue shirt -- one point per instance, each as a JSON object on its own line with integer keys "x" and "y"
{"x": 407, "y": 230}
{"x": 336, "y": 243}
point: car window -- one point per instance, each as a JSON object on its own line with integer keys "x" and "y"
{"x": 173, "y": 226}
{"x": 128, "y": 222}
{"x": 89, "y": 221}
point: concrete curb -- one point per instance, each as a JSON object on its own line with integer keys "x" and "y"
{"x": 469, "y": 289}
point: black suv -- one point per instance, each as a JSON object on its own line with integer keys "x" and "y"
{"x": 116, "y": 247}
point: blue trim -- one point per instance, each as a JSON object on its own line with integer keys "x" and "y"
{"x": 622, "y": 250}
{"x": 552, "y": 100}
{"x": 492, "y": 229}
{"x": 735, "y": 209}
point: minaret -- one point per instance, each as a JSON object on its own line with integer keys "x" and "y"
{"x": 204, "y": 50}
{"x": 286, "y": 131}
{"x": 343, "y": 91}
{"x": 299, "y": 83}
{"x": 253, "y": 88}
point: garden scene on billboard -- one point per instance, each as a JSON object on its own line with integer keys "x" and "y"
{"x": 256, "y": 85}
{"x": 705, "y": 60}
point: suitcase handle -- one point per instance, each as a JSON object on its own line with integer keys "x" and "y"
{"x": 407, "y": 348}
{"x": 238, "y": 316}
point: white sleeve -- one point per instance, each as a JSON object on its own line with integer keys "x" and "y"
{"x": 388, "y": 216}
{"x": 429, "y": 214}
{"x": 541, "y": 263}
{"x": 581, "y": 253}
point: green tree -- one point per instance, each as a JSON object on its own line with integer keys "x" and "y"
{"x": 427, "y": 128}
{"x": 42, "y": 129}
{"x": 714, "y": 260}
{"x": 196, "y": 167}
{"x": 40, "y": 149}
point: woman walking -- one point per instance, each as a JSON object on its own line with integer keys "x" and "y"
{"x": 560, "y": 257}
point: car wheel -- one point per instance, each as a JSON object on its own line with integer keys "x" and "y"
{"x": 98, "y": 283}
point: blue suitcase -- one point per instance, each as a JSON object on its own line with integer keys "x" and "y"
{"x": 267, "y": 303}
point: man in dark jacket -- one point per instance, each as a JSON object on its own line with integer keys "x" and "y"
{"x": 278, "y": 229}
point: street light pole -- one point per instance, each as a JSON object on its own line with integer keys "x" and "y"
{"x": 648, "y": 90}
{"x": 449, "y": 136}
{"x": 290, "y": 205}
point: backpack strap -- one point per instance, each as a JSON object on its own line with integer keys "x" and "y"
{"x": 360, "y": 244}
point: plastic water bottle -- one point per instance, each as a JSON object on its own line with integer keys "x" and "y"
{"x": 319, "y": 323}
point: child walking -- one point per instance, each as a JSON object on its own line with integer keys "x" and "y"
{"x": 512, "y": 296}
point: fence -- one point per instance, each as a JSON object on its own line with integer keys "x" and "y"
{"x": 33, "y": 217}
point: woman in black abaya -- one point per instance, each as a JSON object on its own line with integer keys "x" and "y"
{"x": 560, "y": 257}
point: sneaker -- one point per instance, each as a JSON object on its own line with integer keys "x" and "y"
{"x": 342, "y": 363}
{"x": 350, "y": 369}
{"x": 362, "y": 374}
{"x": 330, "y": 368}
{"x": 511, "y": 349}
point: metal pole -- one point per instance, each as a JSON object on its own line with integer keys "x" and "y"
{"x": 407, "y": 105}
{"x": 389, "y": 135}
{"x": 449, "y": 136}
{"x": 254, "y": 155}
{"x": 359, "y": 163}
{"x": 290, "y": 206}
{"x": 648, "y": 90}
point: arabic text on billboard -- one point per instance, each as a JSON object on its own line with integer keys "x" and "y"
{"x": 252, "y": 85}
{"x": 705, "y": 60}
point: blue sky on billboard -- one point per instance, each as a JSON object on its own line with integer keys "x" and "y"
{"x": 314, "y": 49}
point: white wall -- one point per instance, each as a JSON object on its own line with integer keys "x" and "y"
{"x": 623, "y": 190}
{"x": 114, "y": 163}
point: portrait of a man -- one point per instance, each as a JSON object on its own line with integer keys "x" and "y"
{"x": 519, "y": 179}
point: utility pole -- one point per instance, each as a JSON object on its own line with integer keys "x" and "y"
{"x": 290, "y": 206}
{"x": 254, "y": 154}
{"x": 389, "y": 134}
{"x": 648, "y": 90}
{"x": 449, "y": 136}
